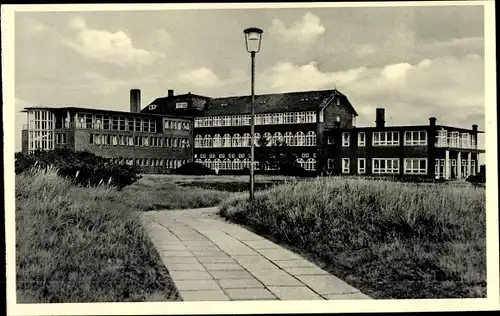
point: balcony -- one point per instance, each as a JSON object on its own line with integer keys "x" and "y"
{"x": 455, "y": 143}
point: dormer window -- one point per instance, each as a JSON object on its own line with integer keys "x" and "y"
{"x": 152, "y": 107}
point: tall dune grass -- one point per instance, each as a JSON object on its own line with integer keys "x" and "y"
{"x": 76, "y": 244}
{"x": 391, "y": 240}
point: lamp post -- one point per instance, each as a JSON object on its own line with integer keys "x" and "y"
{"x": 253, "y": 38}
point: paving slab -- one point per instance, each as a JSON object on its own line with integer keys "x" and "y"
{"x": 189, "y": 275}
{"x": 236, "y": 274}
{"x": 293, "y": 263}
{"x": 278, "y": 254}
{"x": 275, "y": 277}
{"x": 204, "y": 295}
{"x": 186, "y": 266}
{"x": 222, "y": 266}
{"x": 327, "y": 284}
{"x": 350, "y": 296}
{"x": 175, "y": 253}
{"x": 261, "y": 244}
{"x": 294, "y": 293}
{"x": 249, "y": 294}
{"x": 219, "y": 259}
{"x": 170, "y": 260}
{"x": 240, "y": 283}
{"x": 193, "y": 285}
{"x": 305, "y": 271}
{"x": 209, "y": 253}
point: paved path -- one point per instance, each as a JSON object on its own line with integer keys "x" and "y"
{"x": 213, "y": 260}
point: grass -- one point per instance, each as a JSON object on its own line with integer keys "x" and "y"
{"x": 79, "y": 244}
{"x": 160, "y": 192}
{"x": 390, "y": 240}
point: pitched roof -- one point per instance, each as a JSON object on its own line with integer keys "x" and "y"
{"x": 273, "y": 103}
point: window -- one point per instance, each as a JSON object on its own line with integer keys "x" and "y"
{"x": 301, "y": 117}
{"x": 245, "y": 140}
{"x": 217, "y": 121}
{"x": 442, "y": 138}
{"x": 331, "y": 163}
{"x": 217, "y": 141}
{"x": 208, "y": 163}
{"x": 473, "y": 167}
{"x": 301, "y": 162}
{"x": 226, "y": 121}
{"x": 236, "y": 120}
{"x": 207, "y": 141}
{"x": 345, "y": 139}
{"x": 361, "y": 165}
{"x": 216, "y": 164}
{"x": 236, "y": 140}
{"x": 175, "y": 142}
{"x": 289, "y": 118}
{"x": 415, "y": 166}
{"x": 246, "y": 163}
{"x": 256, "y": 137}
{"x": 245, "y": 119}
{"x": 226, "y": 164}
{"x": 222, "y": 156}
{"x": 385, "y": 165}
{"x": 330, "y": 140}
{"x": 465, "y": 140}
{"x": 305, "y": 155}
{"x": 346, "y": 165}
{"x": 198, "y": 141}
{"x": 236, "y": 164}
{"x": 385, "y": 138}
{"x": 361, "y": 139}
{"x": 278, "y": 118}
{"x": 267, "y": 119}
{"x": 258, "y": 119}
{"x": 299, "y": 139}
{"x": 311, "y": 138}
{"x": 241, "y": 155}
{"x": 208, "y": 121}
{"x": 289, "y": 139}
{"x": 145, "y": 141}
{"x": 310, "y": 164}
{"x": 321, "y": 116}
{"x": 415, "y": 138}
{"x": 277, "y": 138}
{"x": 310, "y": 117}
{"x": 226, "y": 140}
{"x": 269, "y": 138}
{"x": 114, "y": 140}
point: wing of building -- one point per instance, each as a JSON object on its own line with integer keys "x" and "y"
{"x": 318, "y": 127}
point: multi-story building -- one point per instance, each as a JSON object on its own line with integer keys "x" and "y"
{"x": 156, "y": 143}
{"x": 317, "y": 126}
{"x": 431, "y": 151}
{"x": 222, "y": 125}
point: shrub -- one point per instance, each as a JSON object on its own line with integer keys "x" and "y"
{"x": 83, "y": 168}
{"x": 194, "y": 168}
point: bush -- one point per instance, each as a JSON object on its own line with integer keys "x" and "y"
{"x": 83, "y": 168}
{"x": 479, "y": 178}
{"x": 194, "y": 168}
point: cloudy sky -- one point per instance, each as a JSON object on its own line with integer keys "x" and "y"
{"x": 416, "y": 62}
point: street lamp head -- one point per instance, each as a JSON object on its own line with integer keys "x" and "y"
{"x": 253, "y": 38}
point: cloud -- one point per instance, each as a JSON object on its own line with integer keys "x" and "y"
{"x": 201, "y": 77}
{"x": 108, "y": 47}
{"x": 304, "y": 31}
{"x": 450, "y": 88}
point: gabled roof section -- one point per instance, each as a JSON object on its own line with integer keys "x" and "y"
{"x": 275, "y": 103}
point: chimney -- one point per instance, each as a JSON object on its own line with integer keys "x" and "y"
{"x": 380, "y": 117}
{"x": 170, "y": 93}
{"x": 474, "y": 127}
{"x": 432, "y": 121}
{"x": 135, "y": 100}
